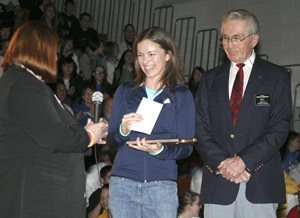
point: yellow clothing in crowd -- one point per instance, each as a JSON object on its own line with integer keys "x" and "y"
{"x": 291, "y": 188}
{"x": 104, "y": 214}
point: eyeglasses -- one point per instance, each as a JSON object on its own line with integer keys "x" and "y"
{"x": 99, "y": 72}
{"x": 235, "y": 40}
{"x": 88, "y": 94}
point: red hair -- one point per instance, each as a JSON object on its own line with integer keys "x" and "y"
{"x": 34, "y": 46}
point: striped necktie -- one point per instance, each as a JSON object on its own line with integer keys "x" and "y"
{"x": 237, "y": 93}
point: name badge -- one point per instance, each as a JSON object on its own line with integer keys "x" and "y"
{"x": 262, "y": 100}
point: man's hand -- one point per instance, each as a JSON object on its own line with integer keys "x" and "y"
{"x": 242, "y": 178}
{"x": 232, "y": 168}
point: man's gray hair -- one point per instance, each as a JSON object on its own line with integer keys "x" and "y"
{"x": 242, "y": 14}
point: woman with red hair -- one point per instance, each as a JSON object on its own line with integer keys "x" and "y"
{"x": 41, "y": 145}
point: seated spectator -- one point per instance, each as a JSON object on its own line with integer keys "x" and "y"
{"x": 93, "y": 180}
{"x": 49, "y": 16}
{"x": 107, "y": 107}
{"x": 61, "y": 93}
{"x": 99, "y": 203}
{"x": 5, "y": 31}
{"x": 111, "y": 53}
{"x": 124, "y": 72}
{"x": 129, "y": 36}
{"x": 105, "y": 174}
{"x": 8, "y": 11}
{"x": 291, "y": 199}
{"x": 195, "y": 79}
{"x": 189, "y": 205}
{"x": 67, "y": 50}
{"x": 37, "y": 11}
{"x": 22, "y": 12}
{"x": 3, "y": 47}
{"x": 68, "y": 23}
{"x": 85, "y": 33}
{"x": 99, "y": 81}
{"x": 92, "y": 56}
{"x": 67, "y": 74}
{"x": 84, "y": 109}
{"x": 290, "y": 151}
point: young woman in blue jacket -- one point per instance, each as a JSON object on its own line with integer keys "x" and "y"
{"x": 143, "y": 182}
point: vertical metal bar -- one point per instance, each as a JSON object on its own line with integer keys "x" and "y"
{"x": 110, "y": 21}
{"x": 195, "y": 53}
{"x": 159, "y": 16}
{"x": 208, "y": 49}
{"x": 150, "y": 13}
{"x": 192, "y": 47}
{"x": 117, "y": 19}
{"x": 139, "y": 13}
{"x": 216, "y": 47}
{"x": 144, "y": 13}
{"x": 131, "y": 8}
{"x": 202, "y": 48}
{"x": 95, "y": 21}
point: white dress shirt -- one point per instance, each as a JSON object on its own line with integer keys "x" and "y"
{"x": 247, "y": 71}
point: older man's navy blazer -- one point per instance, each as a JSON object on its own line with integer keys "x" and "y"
{"x": 261, "y": 129}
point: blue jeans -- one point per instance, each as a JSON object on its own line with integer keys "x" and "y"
{"x": 133, "y": 199}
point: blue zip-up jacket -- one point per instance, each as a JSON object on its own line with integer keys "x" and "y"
{"x": 176, "y": 120}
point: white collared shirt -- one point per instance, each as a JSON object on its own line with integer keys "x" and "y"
{"x": 247, "y": 71}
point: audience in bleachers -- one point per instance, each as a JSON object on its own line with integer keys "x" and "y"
{"x": 85, "y": 33}
{"x": 129, "y": 36}
{"x": 93, "y": 176}
{"x": 37, "y": 11}
{"x": 111, "y": 53}
{"x": 3, "y": 47}
{"x": 290, "y": 151}
{"x": 68, "y": 23}
{"x": 67, "y": 74}
{"x": 107, "y": 107}
{"x": 99, "y": 81}
{"x": 5, "y": 31}
{"x": 84, "y": 108}
{"x": 92, "y": 56}
{"x": 8, "y": 11}
{"x": 195, "y": 79}
{"x": 50, "y": 16}
{"x": 124, "y": 71}
{"x": 189, "y": 205}
{"x": 61, "y": 93}
{"x": 99, "y": 203}
{"x": 67, "y": 50}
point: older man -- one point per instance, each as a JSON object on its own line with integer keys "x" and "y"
{"x": 243, "y": 117}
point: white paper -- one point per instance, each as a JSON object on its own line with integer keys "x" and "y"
{"x": 149, "y": 110}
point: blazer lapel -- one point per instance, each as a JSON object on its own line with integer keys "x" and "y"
{"x": 256, "y": 80}
{"x": 221, "y": 84}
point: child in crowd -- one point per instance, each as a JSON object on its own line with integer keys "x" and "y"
{"x": 93, "y": 182}
{"x": 99, "y": 203}
{"x": 189, "y": 205}
{"x": 99, "y": 81}
{"x": 84, "y": 109}
{"x": 67, "y": 73}
{"x": 290, "y": 151}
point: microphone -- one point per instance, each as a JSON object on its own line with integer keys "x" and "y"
{"x": 97, "y": 99}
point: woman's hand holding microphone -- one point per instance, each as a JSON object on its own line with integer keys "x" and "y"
{"x": 96, "y": 131}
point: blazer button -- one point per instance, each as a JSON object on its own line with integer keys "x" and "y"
{"x": 232, "y": 136}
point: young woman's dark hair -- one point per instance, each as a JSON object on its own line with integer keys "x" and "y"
{"x": 174, "y": 70}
